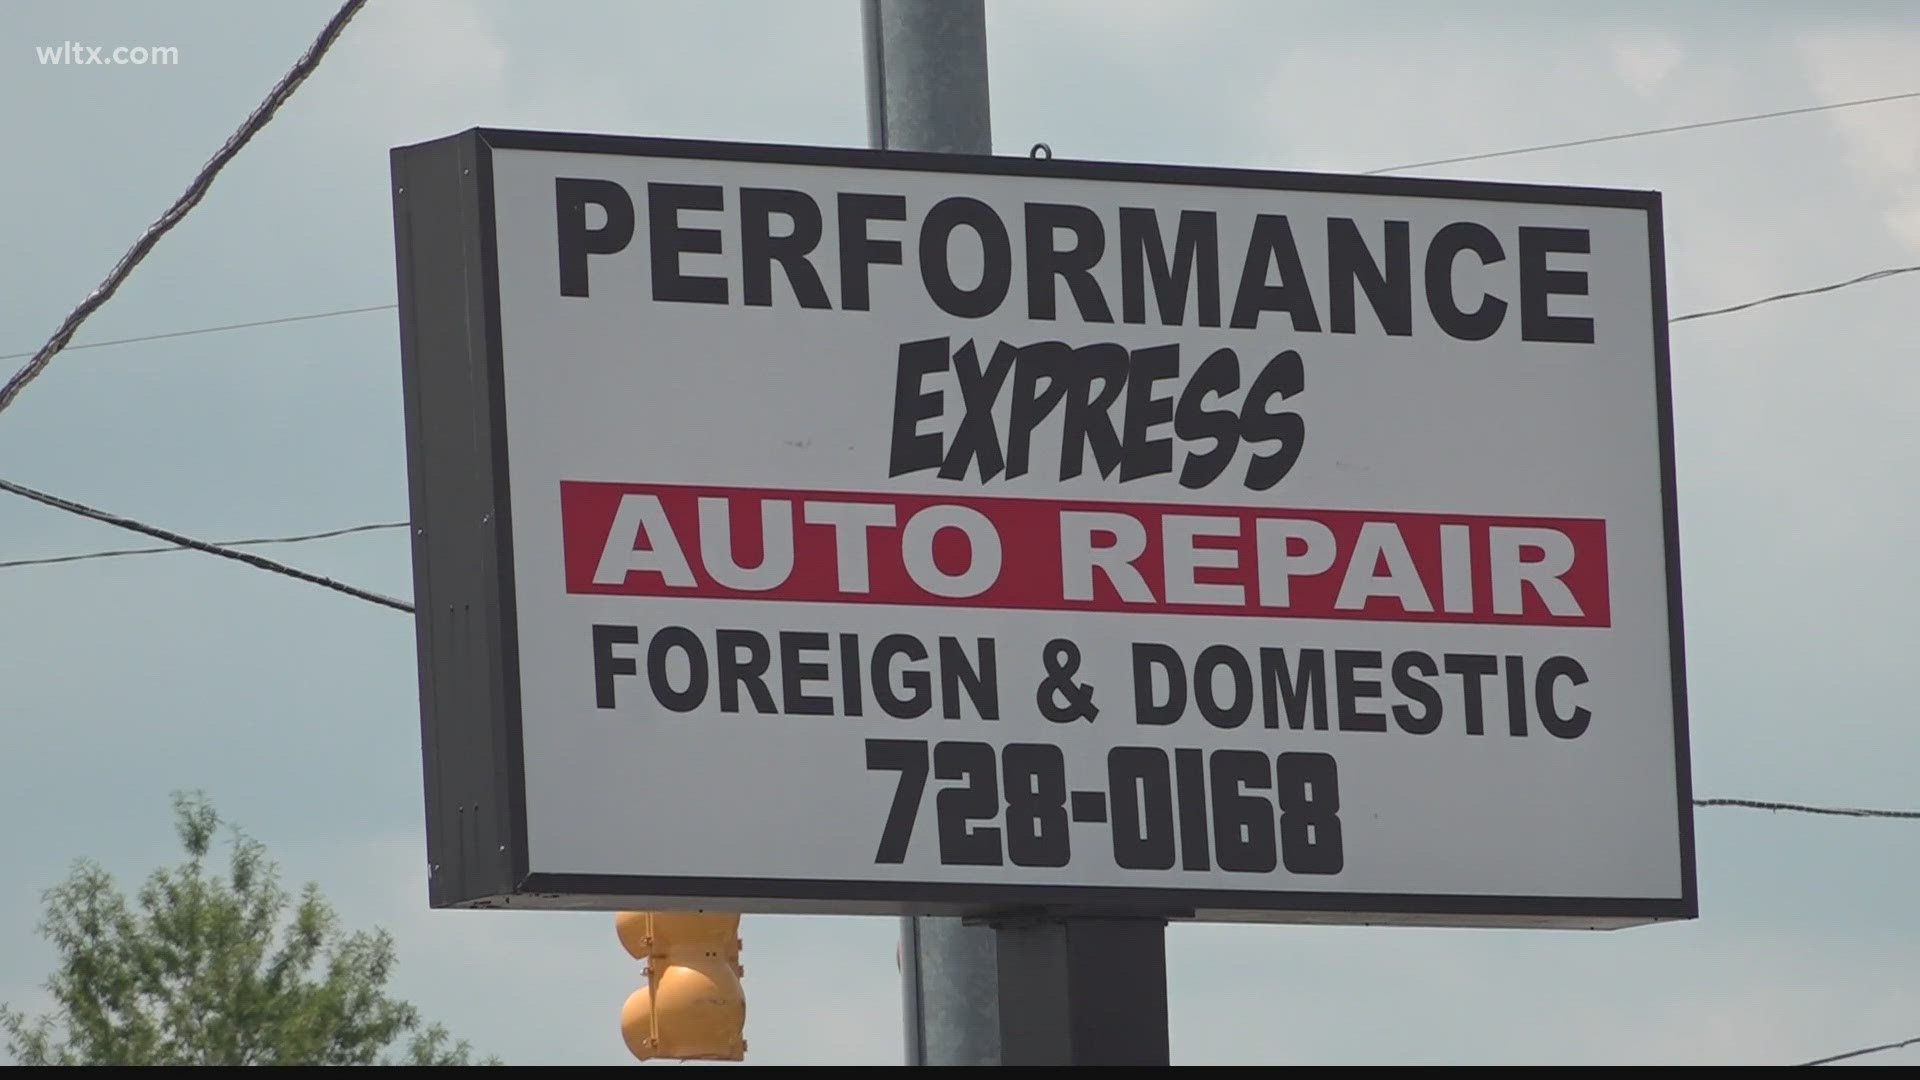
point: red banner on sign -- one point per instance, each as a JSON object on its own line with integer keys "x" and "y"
{"x": 1071, "y": 555}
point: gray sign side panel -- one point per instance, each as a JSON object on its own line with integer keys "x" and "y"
{"x": 467, "y": 739}
{"x": 1670, "y": 521}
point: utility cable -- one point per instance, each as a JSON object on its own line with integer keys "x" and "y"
{"x": 1864, "y": 1051}
{"x": 214, "y": 329}
{"x": 1876, "y": 275}
{"x": 202, "y": 545}
{"x": 257, "y": 541}
{"x": 311, "y": 60}
{"x": 171, "y": 537}
{"x": 1801, "y": 808}
{"x": 1642, "y": 133}
{"x": 225, "y": 551}
{"x": 338, "y": 23}
{"x": 196, "y": 190}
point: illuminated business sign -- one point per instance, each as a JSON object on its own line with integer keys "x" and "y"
{"x": 825, "y": 530}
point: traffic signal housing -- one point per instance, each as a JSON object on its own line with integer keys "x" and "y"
{"x": 692, "y": 1007}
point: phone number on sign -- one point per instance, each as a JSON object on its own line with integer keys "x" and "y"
{"x": 1241, "y": 810}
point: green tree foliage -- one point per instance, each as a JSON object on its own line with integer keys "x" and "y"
{"x": 200, "y": 970}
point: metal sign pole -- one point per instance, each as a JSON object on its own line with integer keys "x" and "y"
{"x": 926, "y": 66}
{"x": 1050, "y": 991}
{"x": 1080, "y": 991}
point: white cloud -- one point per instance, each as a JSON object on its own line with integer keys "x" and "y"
{"x": 444, "y": 46}
{"x": 1645, "y": 62}
{"x": 1146, "y": 23}
{"x": 1882, "y": 141}
{"x": 421, "y": 69}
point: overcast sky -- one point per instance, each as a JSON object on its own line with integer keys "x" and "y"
{"x": 296, "y": 709}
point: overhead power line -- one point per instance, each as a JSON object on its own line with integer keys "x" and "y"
{"x": 1642, "y": 133}
{"x": 305, "y": 67}
{"x": 171, "y": 537}
{"x": 250, "y": 542}
{"x": 215, "y": 548}
{"x": 196, "y": 190}
{"x": 347, "y": 12}
{"x": 1800, "y": 808}
{"x": 214, "y": 329}
{"x": 224, "y": 550}
{"x": 1861, "y": 280}
{"x": 1864, "y": 1051}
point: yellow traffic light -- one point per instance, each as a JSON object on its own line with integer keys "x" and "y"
{"x": 692, "y": 1007}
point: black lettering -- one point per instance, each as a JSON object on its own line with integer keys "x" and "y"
{"x": 1410, "y": 673}
{"x": 1036, "y": 811}
{"x": 913, "y": 450}
{"x": 796, "y": 673}
{"x": 1270, "y": 244}
{"x": 1283, "y": 377}
{"x": 1471, "y": 667}
{"x": 1574, "y": 724}
{"x": 860, "y": 251}
{"x": 981, "y": 681}
{"x": 607, "y": 666}
{"x": 1309, "y": 798}
{"x": 760, "y": 249}
{"x": 1516, "y": 697}
{"x": 957, "y": 808}
{"x": 1086, "y": 423}
{"x": 575, "y": 240}
{"x": 976, "y": 439}
{"x": 1350, "y": 690}
{"x": 1539, "y": 285}
{"x": 669, "y": 240}
{"x": 1190, "y": 786}
{"x": 996, "y": 274}
{"x": 1240, "y": 705}
{"x": 1193, "y": 421}
{"x": 1147, "y": 656}
{"x": 1195, "y": 266}
{"x": 1142, "y": 797}
{"x": 918, "y": 685}
{"x": 732, "y": 671}
{"x": 1073, "y": 265}
{"x": 1482, "y": 322}
{"x": 1243, "y": 823}
{"x": 663, "y": 643}
{"x": 850, "y": 674}
{"x": 1389, "y": 289}
{"x": 1139, "y": 455}
{"x": 1036, "y": 364}
{"x": 1306, "y": 684}
{"x": 908, "y": 757}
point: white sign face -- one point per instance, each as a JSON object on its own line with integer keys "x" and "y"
{"x": 891, "y": 534}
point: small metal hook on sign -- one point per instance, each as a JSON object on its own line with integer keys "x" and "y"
{"x": 1041, "y": 152}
